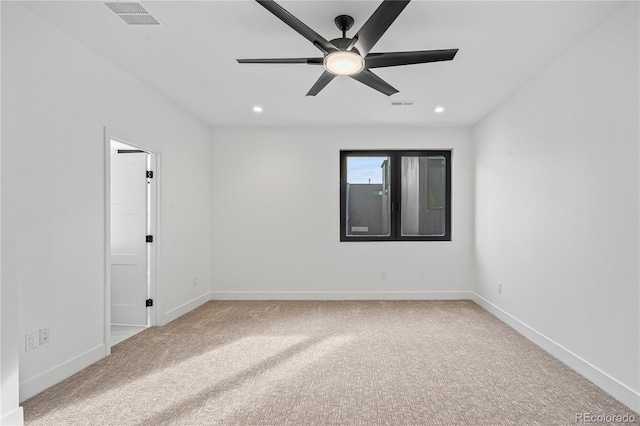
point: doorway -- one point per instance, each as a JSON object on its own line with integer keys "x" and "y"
{"x": 132, "y": 220}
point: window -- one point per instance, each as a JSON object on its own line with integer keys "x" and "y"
{"x": 395, "y": 195}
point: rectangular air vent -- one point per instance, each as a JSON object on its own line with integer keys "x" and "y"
{"x": 402, "y": 103}
{"x": 139, "y": 19}
{"x": 127, "y": 8}
{"x": 132, "y": 13}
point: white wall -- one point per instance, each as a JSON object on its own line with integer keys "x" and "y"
{"x": 56, "y": 98}
{"x": 275, "y": 230}
{"x": 557, "y": 207}
{"x": 10, "y": 412}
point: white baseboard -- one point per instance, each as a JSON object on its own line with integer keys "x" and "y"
{"x": 14, "y": 418}
{"x": 42, "y": 381}
{"x": 174, "y": 313}
{"x": 341, "y": 295}
{"x": 613, "y": 387}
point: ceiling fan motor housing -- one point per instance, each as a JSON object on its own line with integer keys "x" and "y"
{"x": 343, "y": 43}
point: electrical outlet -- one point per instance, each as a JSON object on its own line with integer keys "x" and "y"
{"x": 44, "y": 335}
{"x": 31, "y": 340}
{"x": 195, "y": 281}
{"x": 499, "y": 288}
{"x": 383, "y": 276}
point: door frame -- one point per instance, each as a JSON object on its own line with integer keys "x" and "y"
{"x": 153, "y": 249}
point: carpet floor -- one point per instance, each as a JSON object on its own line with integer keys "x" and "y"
{"x": 327, "y": 363}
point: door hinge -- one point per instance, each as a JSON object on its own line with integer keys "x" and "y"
{"x": 149, "y": 174}
{"x": 149, "y": 303}
{"x": 149, "y": 238}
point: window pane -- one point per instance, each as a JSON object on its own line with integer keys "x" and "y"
{"x": 423, "y": 195}
{"x": 368, "y": 196}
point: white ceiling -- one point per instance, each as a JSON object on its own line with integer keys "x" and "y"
{"x": 191, "y": 57}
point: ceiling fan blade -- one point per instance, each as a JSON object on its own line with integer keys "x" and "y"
{"x": 308, "y": 61}
{"x": 306, "y": 32}
{"x": 379, "y": 60}
{"x": 375, "y": 82}
{"x": 324, "y": 79}
{"x": 375, "y": 27}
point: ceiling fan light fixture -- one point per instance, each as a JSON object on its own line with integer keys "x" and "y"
{"x": 343, "y": 63}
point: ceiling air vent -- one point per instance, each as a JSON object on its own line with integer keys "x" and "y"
{"x": 132, "y": 13}
{"x": 402, "y": 103}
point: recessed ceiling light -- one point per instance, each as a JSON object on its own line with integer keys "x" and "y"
{"x": 438, "y": 110}
{"x": 257, "y": 109}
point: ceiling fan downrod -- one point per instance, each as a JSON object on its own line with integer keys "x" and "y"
{"x": 344, "y": 24}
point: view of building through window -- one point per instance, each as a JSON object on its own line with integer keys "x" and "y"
{"x": 368, "y": 196}
{"x": 403, "y": 195}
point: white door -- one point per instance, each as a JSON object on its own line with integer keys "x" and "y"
{"x": 129, "y": 271}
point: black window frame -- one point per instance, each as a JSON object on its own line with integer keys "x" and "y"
{"x": 395, "y": 157}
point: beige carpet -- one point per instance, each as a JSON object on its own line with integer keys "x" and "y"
{"x": 325, "y": 363}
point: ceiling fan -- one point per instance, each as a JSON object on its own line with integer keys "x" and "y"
{"x": 351, "y": 56}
